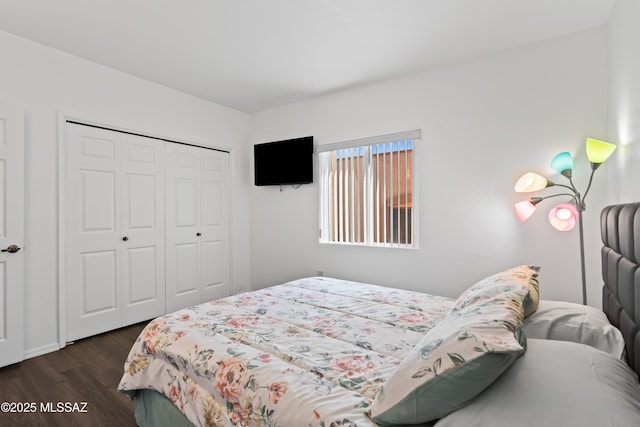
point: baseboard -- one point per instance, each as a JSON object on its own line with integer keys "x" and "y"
{"x": 39, "y": 351}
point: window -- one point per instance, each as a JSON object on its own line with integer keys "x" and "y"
{"x": 366, "y": 191}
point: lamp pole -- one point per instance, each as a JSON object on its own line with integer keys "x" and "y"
{"x": 580, "y": 207}
{"x": 578, "y": 201}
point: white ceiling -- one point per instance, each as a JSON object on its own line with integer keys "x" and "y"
{"x": 253, "y": 55}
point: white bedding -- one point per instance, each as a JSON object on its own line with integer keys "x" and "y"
{"x": 557, "y": 383}
{"x": 565, "y": 321}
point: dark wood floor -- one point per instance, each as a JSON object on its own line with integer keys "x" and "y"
{"x": 87, "y": 371}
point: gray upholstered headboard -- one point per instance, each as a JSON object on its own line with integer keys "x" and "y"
{"x": 620, "y": 228}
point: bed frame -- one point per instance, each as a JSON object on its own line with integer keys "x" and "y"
{"x": 620, "y": 228}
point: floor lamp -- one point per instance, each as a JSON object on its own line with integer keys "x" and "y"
{"x": 564, "y": 216}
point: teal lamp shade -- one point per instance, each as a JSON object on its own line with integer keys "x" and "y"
{"x": 563, "y": 217}
{"x": 598, "y": 151}
{"x": 563, "y": 164}
{"x": 531, "y": 181}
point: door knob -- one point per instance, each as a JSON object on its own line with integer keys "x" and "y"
{"x": 198, "y": 234}
{"x": 125, "y": 238}
{"x": 11, "y": 249}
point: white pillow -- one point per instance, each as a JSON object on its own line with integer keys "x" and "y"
{"x": 566, "y": 321}
{"x": 556, "y": 383}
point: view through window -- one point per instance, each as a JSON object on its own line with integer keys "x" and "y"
{"x": 366, "y": 191}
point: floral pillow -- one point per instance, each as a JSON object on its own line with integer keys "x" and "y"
{"x": 455, "y": 361}
{"x": 524, "y": 275}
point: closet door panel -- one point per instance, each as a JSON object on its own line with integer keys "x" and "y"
{"x": 187, "y": 262}
{"x": 140, "y": 279}
{"x": 215, "y": 225}
{"x": 141, "y": 212}
{"x": 183, "y": 275}
{"x": 99, "y": 282}
{"x": 98, "y": 200}
{"x": 214, "y": 271}
{"x": 92, "y": 227}
{"x": 142, "y": 228}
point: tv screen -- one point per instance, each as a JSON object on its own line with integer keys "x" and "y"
{"x": 287, "y": 162}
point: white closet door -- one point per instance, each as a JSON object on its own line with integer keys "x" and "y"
{"x": 183, "y": 233}
{"x": 115, "y": 230}
{"x": 215, "y": 225}
{"x": 94, "y": 232}
{"x": 197, "y": 225}
{"x": 11, "y": 236}
{"x": 142, "y": 213}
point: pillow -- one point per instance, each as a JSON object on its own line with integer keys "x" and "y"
{"x": 524, "y": 275}
{"x": 567, "y": 321}
{"x": 454, "y": 361}
{"x": 557, "y": 383}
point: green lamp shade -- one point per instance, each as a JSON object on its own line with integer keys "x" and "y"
{"x": 531, "y": 181}
{"x": 562, "y": 163}
{"x": 599, "y": 151}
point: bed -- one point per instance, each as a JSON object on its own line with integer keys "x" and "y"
{"x": 328, "y": 352}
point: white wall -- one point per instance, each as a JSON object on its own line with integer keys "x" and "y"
{"x": 41, "y": 81}
{"x": 624, "y": 99}
{"x": 484, "y": 123}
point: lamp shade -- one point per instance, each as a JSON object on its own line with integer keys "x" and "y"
{"x": 563, "y": 163}
{"x": 524, "y": 210}
{"x": 599, "y": 151}
{"x": 563, "y": 217}
{"x": 531, "y": 181}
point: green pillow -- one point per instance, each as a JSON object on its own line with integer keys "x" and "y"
{"x": 455, "y": 361}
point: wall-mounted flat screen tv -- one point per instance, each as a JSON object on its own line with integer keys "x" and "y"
{"x": 288, "y": 162}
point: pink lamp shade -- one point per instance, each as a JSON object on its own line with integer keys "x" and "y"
{"x": 563, "y": 217}
{"x": 524, "y": 210}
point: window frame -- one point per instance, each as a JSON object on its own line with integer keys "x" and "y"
{"x": 365, "y": 145}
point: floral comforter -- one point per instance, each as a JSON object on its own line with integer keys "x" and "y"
{"x": 312, "y": 352}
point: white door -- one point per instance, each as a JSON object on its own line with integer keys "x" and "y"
{"x": 11, "y": 236}
{"x": 214, "y": 216}
{"x": 183, "y": 232}
{"x": 93, "y": 231}
{"x": 197, "y": 225}
{"x": 142, "y": 215}
{"x": 114, "y": 229}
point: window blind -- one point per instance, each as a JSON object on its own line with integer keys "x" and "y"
{"x": 366, "y": 191}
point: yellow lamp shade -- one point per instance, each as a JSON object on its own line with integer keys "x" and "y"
{"x": 531, "y": 181}
{"x": 599, "y": 151}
